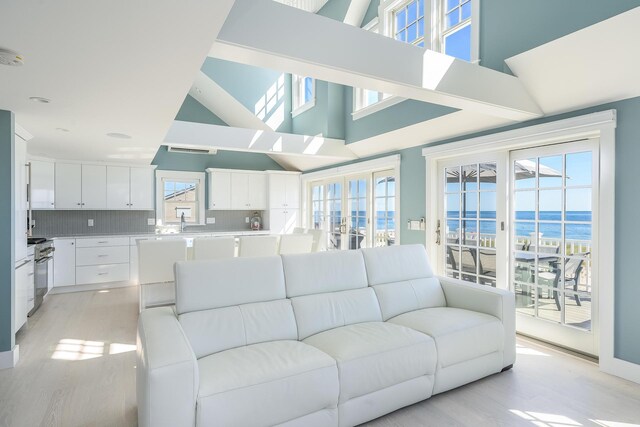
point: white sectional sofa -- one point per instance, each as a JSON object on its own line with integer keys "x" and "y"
{"x": 321, "y": 339}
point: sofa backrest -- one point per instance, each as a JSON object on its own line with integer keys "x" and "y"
{"x": 228, "y": 303}
{"x": 329, "y": 290}
{"x": 402, "y": 279}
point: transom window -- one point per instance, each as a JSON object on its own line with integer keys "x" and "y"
{"x": 409, "y": 22}
{"x": 303, "y": 92}
{"x": 447, "y": 26}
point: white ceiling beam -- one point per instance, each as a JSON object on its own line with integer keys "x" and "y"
{"x": 188, "y": 134}
{"x": 267, "y": 34}
{"x": 356, "y": 12}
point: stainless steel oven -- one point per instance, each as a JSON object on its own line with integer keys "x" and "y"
{"x": 43, "y": 255}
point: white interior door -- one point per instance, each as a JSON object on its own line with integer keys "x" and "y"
{"x": 472, "y": 223}
{"x": 554, "y": 249}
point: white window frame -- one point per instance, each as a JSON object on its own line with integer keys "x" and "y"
{"x": 367, "y": 167}
{"x": 359, "y": 94}
{"x": 162, "y": 175}
{"x": 297, "y": 95}
{"x": 433, "y": 18}
{"x": 600, "y": 125}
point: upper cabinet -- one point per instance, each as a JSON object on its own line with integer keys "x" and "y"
{"x": 130, "y": 188}
{"x": 284, "y": 190}
{"x": 80, "y": 186}
{"x": 237, "y": 190}
{"x": 42, "y": 184}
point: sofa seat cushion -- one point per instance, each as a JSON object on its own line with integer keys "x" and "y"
{"x": 265, "y": 384}
{"x": 375, "y": 355}
{"x": 460, "y": 335}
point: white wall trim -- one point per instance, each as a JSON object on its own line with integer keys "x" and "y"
{"x": 22, "y": 132}
{"x": 546, "y": 133}
{"x": 9, "y": 359}
{"x": 599, "y": 125}
{"x": 373, "y": 108}
{"x": 168, "y": 174}
{"x": 387, "y": 162}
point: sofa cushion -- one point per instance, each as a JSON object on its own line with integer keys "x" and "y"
{"x": 402, "y": 279}
{"x": 321, "y": 312}
{"x": 202, "y": 285}
{"x": 265, "y": 384}
{"x": 211, "y": 331}
{"x": 307, "y": 274}
{"x": 460, "y": 335}
{"x": 375, "y": 355}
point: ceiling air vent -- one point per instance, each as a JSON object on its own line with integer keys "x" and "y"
{"x": 210, "y": 151}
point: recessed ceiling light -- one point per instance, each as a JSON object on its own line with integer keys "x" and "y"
{"x": 118, "y": 135}
{"x": 39, "y": 99}
{"x": 63, "y": 129}
{"x": 10, "y": 58}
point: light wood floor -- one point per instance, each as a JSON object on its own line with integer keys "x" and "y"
{"x": 77, "y": 368}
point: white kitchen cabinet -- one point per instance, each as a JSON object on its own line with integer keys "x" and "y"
{"x": 101, "y": 260}
{"x": 64, "y": 262}
{"x": 94, "y": 187}
{"x": 257, "y": 191}
{"x": 118, "y": 187}
{"x": 284, "y": 190}
{"x": 23, "y": 288}
{"x": 68, "y": 186}
{"x": 20, "y": 206}
{"x": 283, "y": 221}
{"x": 42, "y": 184}
{"x": 240, "y": 191}
{"x": 219, "y": 190}
{"x": 142, "y": 189}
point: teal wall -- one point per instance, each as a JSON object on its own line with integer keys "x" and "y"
{"x": 372, "y": 12}
{"x": 335, "y": 9}
{"x": 7, "y": 231}
{"x": 510, "y": 27}
{"x": 164, "y": 160}
{"x": 192, "y": 111}
{"x": 250, "y": 84}
{"x": 327, "y": 117}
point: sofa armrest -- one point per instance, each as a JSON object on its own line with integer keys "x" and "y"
{"x": 485, "y": 299}
{"x": 166, "y": 371}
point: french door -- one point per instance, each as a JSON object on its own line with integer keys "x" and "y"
{"x": 472, "y": 220}
{"x": 525, "y": 220}
{"x": 355, "y": 211}
{"x": 553, "y": 245}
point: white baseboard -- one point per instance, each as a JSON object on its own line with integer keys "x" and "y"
{"x": 93, "y": 287}
{"x": 621, "y": 368}
{"x": 9, "y": 359}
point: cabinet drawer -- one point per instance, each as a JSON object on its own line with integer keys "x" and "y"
{"x": 102, "y": 273}
{"x": 99, "y": 242}
{"x": 98, "y": 256}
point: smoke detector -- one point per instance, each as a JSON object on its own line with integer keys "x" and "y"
{"x": 10, "y": 58}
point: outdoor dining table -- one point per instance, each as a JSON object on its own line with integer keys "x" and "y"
{"x": 529, "y": 258}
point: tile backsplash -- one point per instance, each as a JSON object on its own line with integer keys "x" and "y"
{"x": 60, "y": 223}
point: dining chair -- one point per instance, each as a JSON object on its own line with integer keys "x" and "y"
{"x": 155, "y": 270}
{"x": 214, "y": 248}
{"x": 256, "y": 246}
{"x": 295, "y": 244}
{"x": 319, "y": 239}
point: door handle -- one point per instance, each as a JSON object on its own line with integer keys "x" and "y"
{"x": 438, "y": 239}
{"x": 343, "y": 226}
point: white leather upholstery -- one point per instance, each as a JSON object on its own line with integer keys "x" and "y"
{"x": 324, "y": 272}
{"x": 214, "y": 248}
{"x": 257, "y": 246}
{"x": 166, "y": 371}
{"x": 211, "y": 331}
{"x": 459, "y": 334}
{"x": 372, "y": 356}
{"x": 320, "y": 312}
{"x": 156, "y": 259}
{"x": 265, "y": 384}
{"x": 322, "y": 418}
{"x": 202, "y": 285}
{"x": 403, "y": 279}
{"x": 295, "y": 244}
{"x": 499, "y": 303}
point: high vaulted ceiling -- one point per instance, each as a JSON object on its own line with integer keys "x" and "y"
{"x": 126, "y": 67}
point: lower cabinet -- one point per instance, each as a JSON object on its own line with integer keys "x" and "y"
{"x": 64, "y": 262}
{"x": 102, "y": 260}
{"x": 283, "y": 221}
{"x": 23, "y": 296}
{"x": 91, "y": 274}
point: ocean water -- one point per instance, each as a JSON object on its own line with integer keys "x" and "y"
{"x": 580, "y": 230}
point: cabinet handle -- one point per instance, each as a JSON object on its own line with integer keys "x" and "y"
{"x": 78, "y": 204}
{"x": 102, "y": 256}
{"x": 30, "y": 274}
{"x": 83, "y": 204}
{"x": 102, "y": 274}
{"x": 52, "y": 204}
{"x": 103, "y": 241}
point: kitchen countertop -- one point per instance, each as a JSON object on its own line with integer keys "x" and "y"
{"x": 185, "y": 234}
